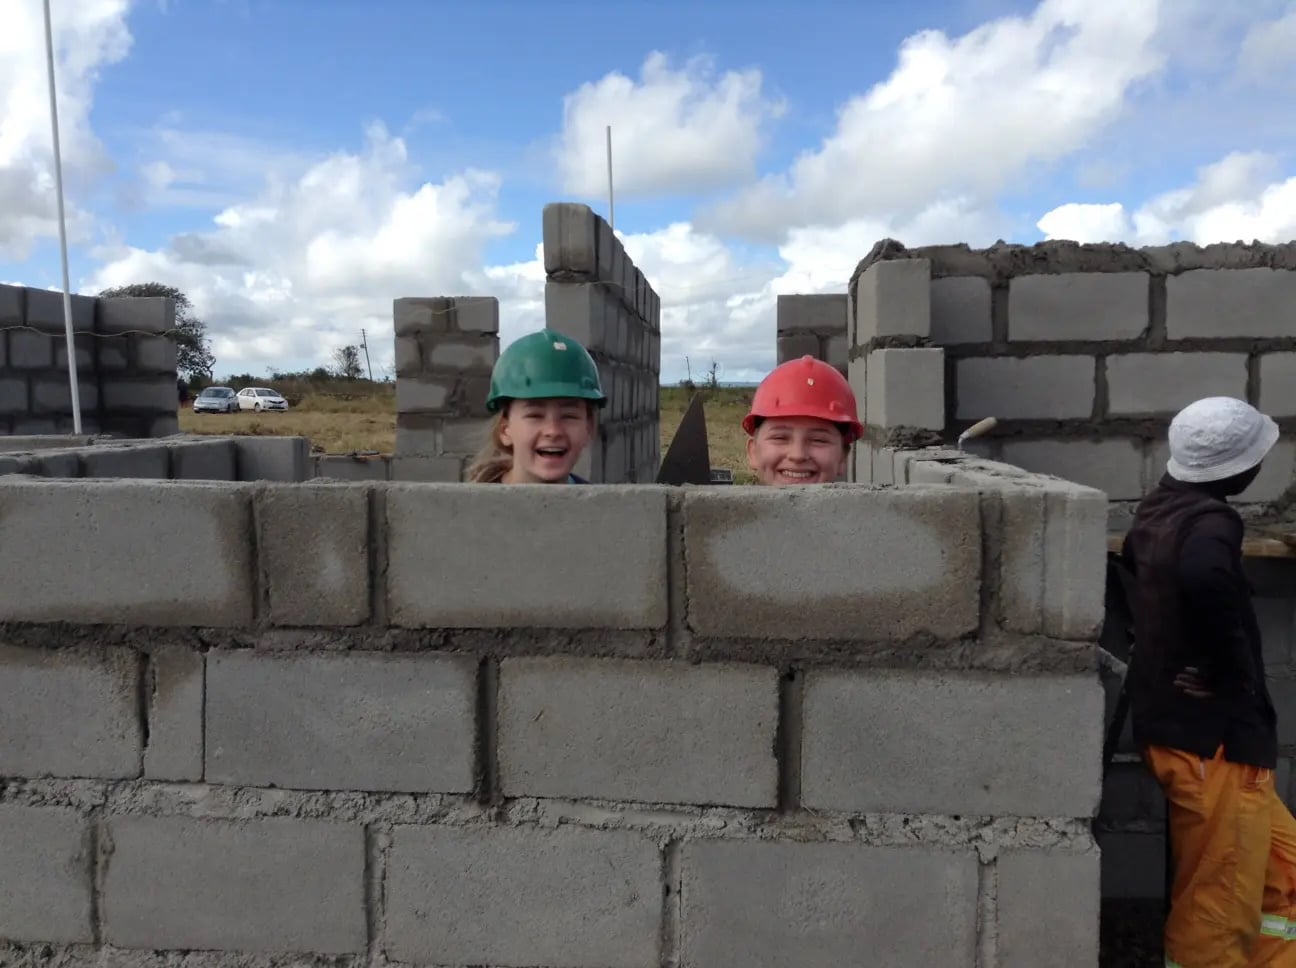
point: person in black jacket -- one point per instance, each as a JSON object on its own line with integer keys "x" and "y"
{"x": 1202, "y": 714}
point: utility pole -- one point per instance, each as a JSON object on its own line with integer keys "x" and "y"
{"x": 364, "y": 341}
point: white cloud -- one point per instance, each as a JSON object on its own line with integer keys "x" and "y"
{"x": 1241, "y": 197}
{"x": 287, "y": 275}
{"x": 673, "y": 131}
{"x": 1269, "y": 49}
{"x": 962, "y": 118}
{"x": 88, "y": 35}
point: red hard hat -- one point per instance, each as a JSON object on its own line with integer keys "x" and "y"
{"x": 806, "y": 388}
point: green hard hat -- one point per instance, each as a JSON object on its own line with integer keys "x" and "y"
{"x": 542, "y": 366}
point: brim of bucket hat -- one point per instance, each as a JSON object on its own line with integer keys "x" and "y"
{"x": 1243, "y": 462}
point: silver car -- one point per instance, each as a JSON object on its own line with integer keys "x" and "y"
{"x": 216, "y": 400}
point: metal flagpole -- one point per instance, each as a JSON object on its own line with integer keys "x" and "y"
{"x": 58, "y": 186}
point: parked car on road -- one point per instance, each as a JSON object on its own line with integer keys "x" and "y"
{"x": 216, "y": 400}
{"x": 261, "y": 398}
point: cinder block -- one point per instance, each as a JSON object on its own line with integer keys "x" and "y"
{"x": 69, "y": 713}
{"x": 344, "y": 468}
{"x": 273, "y": 458}
{"x": 1277, "y": 618}
{"x": 760, "y": 904}
{"x": 81, "y": 533}
{"x": 1039, "y": 387}
{"x": 653, "y": 732}
{"x": 952, "y": 743}
{"x": 423, "y": 396}
{"x": 13, "y": 396}
{"x": 47, "y": 857}
{"x": 204, "y": 460}
{"x": 502, "y": 575}
{"x": 1165, "y": 383}
{"x": 279, "y": 885}
{"x": 571, "y": 234}
{"x": 12, "y": 300}
{"x": 796, "y": 345}
{"x": 30, "y": 351}
{"x": 1075, "y": 561}
{"x": 1277, "y": 474}
{"x": 421, "y": 314}
{"x": 927, "y": 581}
{"x": 523, "y": 896}
{"x": 83, "y": 343}
{"x": 960, "y": 310}
{"x": 893, "y": 299}
{"x": 1278, "y": 384}
{"x": 464, "y": 353}
{"x": 166, "y": 425}
{"x": 906, "y": 388}
{"x": 133, "y": 314}
{"x": 111, "y": 354}
{"x": 45, "y": 311}
{"x": 316, "y": 575}
{"x": 883, "y": 459}
{"x": 463, "y": 435}
{"x": 824, "y": 314}
{"x": 52, "y": 395}
{"x": 127, "y": 461}
{"x": 156, "y": 354}
{"x": 1078, "y": 306}
{"x": 16, "y": 444}
{"x": 358, "y": 721}
{"x": 175, "y": 715}
{"x": 477, "y": 314}
{"x": 1255, "y": 303}
{"x": 433, "y": 470}
{"x": 579, "y": 310}
{"x": 1048, "y": 902}
{"x": 143, "y": 393}
{"x": 836, "y": 351}
{"x": 409, "y": 357}
{"x": 1114, "y": 466}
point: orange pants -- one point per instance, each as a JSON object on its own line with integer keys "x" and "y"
{"x": 1233, "y": 840}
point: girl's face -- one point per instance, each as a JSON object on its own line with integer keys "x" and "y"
{"x": 797, "y": 450}
{"x": 547, "y": 437}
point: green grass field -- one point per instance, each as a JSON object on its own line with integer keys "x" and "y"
{"x": 340, "y": 417}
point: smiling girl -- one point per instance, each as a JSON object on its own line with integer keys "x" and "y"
{"x": 802, "y": 423}
{"x": 544, "y": 393}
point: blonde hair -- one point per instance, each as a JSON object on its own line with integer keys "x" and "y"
{"x": 495, "y": 459}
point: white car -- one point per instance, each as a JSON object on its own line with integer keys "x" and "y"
{"x": 261, "y": 398}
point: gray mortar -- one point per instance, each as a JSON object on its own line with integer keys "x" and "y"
{"x": 993, "y": 653}
{"x": 664, "y": 823}
{"x": 88, "y": 956}
{"x": 1003, "y": 261}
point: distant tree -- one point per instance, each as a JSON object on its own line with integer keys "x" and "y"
{"x": 346, "y": 362}
{"x": 194, "y": 357}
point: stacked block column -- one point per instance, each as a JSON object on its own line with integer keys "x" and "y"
{"x": 445, "y": 350}
{"x": 897, "y": 376}
{"x": 125, "y": 364}
{"x": 814, "y": 325}
{"x": 596, "y": 295}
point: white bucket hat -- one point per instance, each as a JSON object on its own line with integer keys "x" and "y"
{"x": 1216, "y": 438}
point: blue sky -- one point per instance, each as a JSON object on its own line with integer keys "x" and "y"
{"x": 294, "y": 166}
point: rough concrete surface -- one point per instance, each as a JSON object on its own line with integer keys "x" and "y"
{"x": 654, "y": 732}
{"x": 204, "y": 460}
{"x": 314, "y": 547}
{"x": 587, "y": 557}
{"x": 1113, "y": 466}
{"x": 1078, "y": 306}
{"x": 1247, "y": 302}
{"x": 892, "y": 299}
{"x": 771, "y": 905}
{"x": 258, "y": 886}
{"x": 135, "y": 462}
{"x": 69, "y": 713}
{"x": 1165, "y": 383}
{"x": 951, "y": 744}
{"x": 833, "y": 562}
{"x": 1047, "y": 908}
{"x": 905, "y": 388}
{"x": 341, "y": 722}
{"x": 175, "y": 687}
{"x": 1278, "y": 383}
{"x": 273, "y": 458}
{"x": 960, "y": 311}
{"x": 45, "y": 864}
{"x": 1041, "y": 387}
{"x": 523, "y": 897}
{"x": 165, "y": 553}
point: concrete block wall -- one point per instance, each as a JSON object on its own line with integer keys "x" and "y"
{"x": 343, "y": 746}
{"x": 125, "y": 363}
{"x": 595, "y": 294}
{"x": 813, "y": 325}
{"x": 446, "y": 348}
{"x": 179, "y": 458}
{"x": 1085, "y": 352}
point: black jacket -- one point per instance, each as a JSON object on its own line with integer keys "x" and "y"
{"x": 1192, "y": 608}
